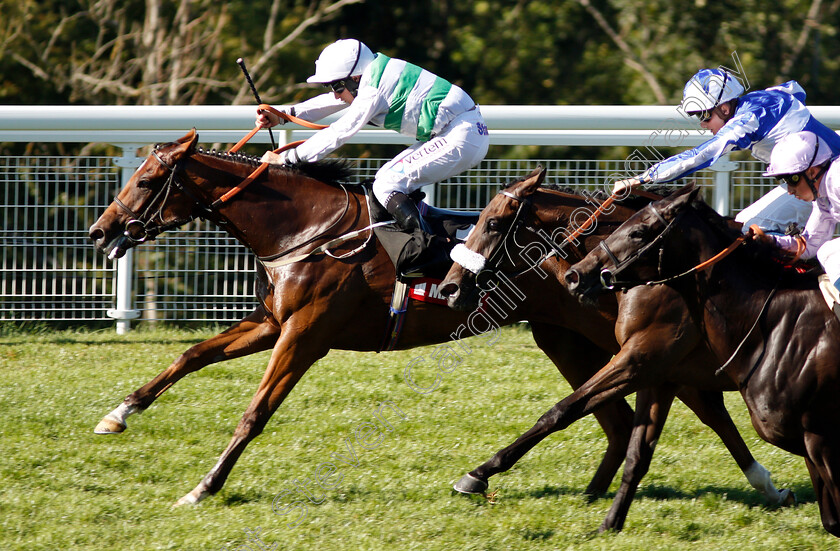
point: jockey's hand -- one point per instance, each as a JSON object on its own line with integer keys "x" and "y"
{"x": 267, "y": 119}
{"x": 287, "y": 157}
{"x": 623, "y": 187}
{"x": 757, "y": 234}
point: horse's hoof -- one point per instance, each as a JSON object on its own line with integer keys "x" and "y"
{"x": 192, "y": 498}
{"x": 470, "y": 485}
{"x": 109, "y": 425}
{"x": 787, "y": 498}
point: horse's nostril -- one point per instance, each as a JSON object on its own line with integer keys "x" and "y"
{"x": 572, "y": 279}
{"x": 448, "y": 290}
{"x": 96, "y": 234}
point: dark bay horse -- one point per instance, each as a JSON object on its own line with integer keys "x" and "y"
{"x": 767, "y": 324}
{"x": 309, "y": 307}
{"x": 525, "y": 217}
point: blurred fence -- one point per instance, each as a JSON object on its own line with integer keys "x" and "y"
{"x": 197, "y": 273}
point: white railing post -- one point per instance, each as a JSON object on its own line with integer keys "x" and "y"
{"x": 723, "y": 169}
{"x": 125, "y": 312}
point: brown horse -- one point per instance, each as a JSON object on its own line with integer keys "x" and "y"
{"x": 525, "y": 216}
{"x": 767, "y": 324}
{"x": 322, "y": 302}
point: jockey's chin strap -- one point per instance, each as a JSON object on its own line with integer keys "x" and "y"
{"x": 260, "y": 169}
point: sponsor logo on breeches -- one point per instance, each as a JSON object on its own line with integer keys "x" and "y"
{"x": 425, "y": 151}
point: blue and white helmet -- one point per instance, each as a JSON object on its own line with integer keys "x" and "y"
{"x": 708, "y": 89}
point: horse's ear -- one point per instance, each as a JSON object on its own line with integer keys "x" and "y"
{"x": 189, "y": 141}
{"x": 680, "y": 199}
{"x": 532, "y": 181}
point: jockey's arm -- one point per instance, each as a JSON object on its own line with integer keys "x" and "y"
{"x": 736, "y": 134}
{"x": 818, "y": 230}
{"x": 313, "y": 109}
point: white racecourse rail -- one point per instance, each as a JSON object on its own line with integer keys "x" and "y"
{"x": 51, "y": 273}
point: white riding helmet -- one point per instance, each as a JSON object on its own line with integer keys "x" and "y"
{"x": 796, "y": 153}
{"x": 341, "y": 59}
{"x": 708, "y": 89}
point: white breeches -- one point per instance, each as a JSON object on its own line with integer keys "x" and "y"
{"x": 461, "y": 145}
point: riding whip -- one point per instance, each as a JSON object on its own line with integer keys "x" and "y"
{"x": 241, "y": 63}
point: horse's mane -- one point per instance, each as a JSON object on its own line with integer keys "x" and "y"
{"x": 330, "y": 170}
{"x": 635, "y": 202}
{"x": 765, "y": 262}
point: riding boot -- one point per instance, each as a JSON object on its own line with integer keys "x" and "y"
{"x": 425, "y": 252}
{"x": 405, "y": 212}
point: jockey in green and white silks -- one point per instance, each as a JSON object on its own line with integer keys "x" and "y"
{"x": 391, "y": 93}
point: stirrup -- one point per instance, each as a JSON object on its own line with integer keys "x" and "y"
{"x": 830, "y": 294}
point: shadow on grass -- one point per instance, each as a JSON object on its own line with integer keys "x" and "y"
{"x": 742, "y": 494}
{"x": 245, "y": 497}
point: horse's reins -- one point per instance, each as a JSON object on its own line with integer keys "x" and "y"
{"x": 260, "y": 169}
{"x": 556, "y": 249}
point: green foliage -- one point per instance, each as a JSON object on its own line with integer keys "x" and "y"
{"x": 502, "y": 51}
{"x": 62, "y": 487}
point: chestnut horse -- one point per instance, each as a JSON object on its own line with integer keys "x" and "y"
{"x": 767, "y": 324}
{"x": 320, "y": 303}
{"x": 525, "y": 216}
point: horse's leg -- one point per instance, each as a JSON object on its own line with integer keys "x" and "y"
{"x": 652, "y": 407}
{"x": 710, "y": 409}
{"x": 252, "y": 334}
{"x": 293, "y": 355}
{"x": 823, "y": 461}
{"x": 577, "y": 359}
{"x": 614, "y": 381}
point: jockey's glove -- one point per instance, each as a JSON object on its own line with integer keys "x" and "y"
{"x": 287, "y": 157}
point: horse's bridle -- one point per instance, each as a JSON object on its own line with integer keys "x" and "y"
{"x": 205, "y": 208}
{"x": 149, "y": 229}
{"x": 492, "y": 261}
{"x": 608, "y": 277}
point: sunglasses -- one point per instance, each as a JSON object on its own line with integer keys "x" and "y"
{"x": 337, "y": 86}
{"x": 792, "y": 180}
{"x": 703, "y": 116}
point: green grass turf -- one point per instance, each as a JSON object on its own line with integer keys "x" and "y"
{"x": 64, "y": 488}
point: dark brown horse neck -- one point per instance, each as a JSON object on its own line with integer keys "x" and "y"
{"x": 285, "y": 209}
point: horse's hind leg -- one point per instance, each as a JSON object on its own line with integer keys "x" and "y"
{"x": 710, "y": 409}
{"x": 252, "y": 334}
{"x": 652, "y": 407}
{"x": 823, "y": 461}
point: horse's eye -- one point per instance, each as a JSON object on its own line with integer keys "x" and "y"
{"x": 493, "y": 225}
{"x": 638, "y": 233}
{"x": 143, "y": 183}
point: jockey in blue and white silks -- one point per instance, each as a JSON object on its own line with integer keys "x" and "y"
{"x": 391, "y": 93}
{"x": 753, "y": 121}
